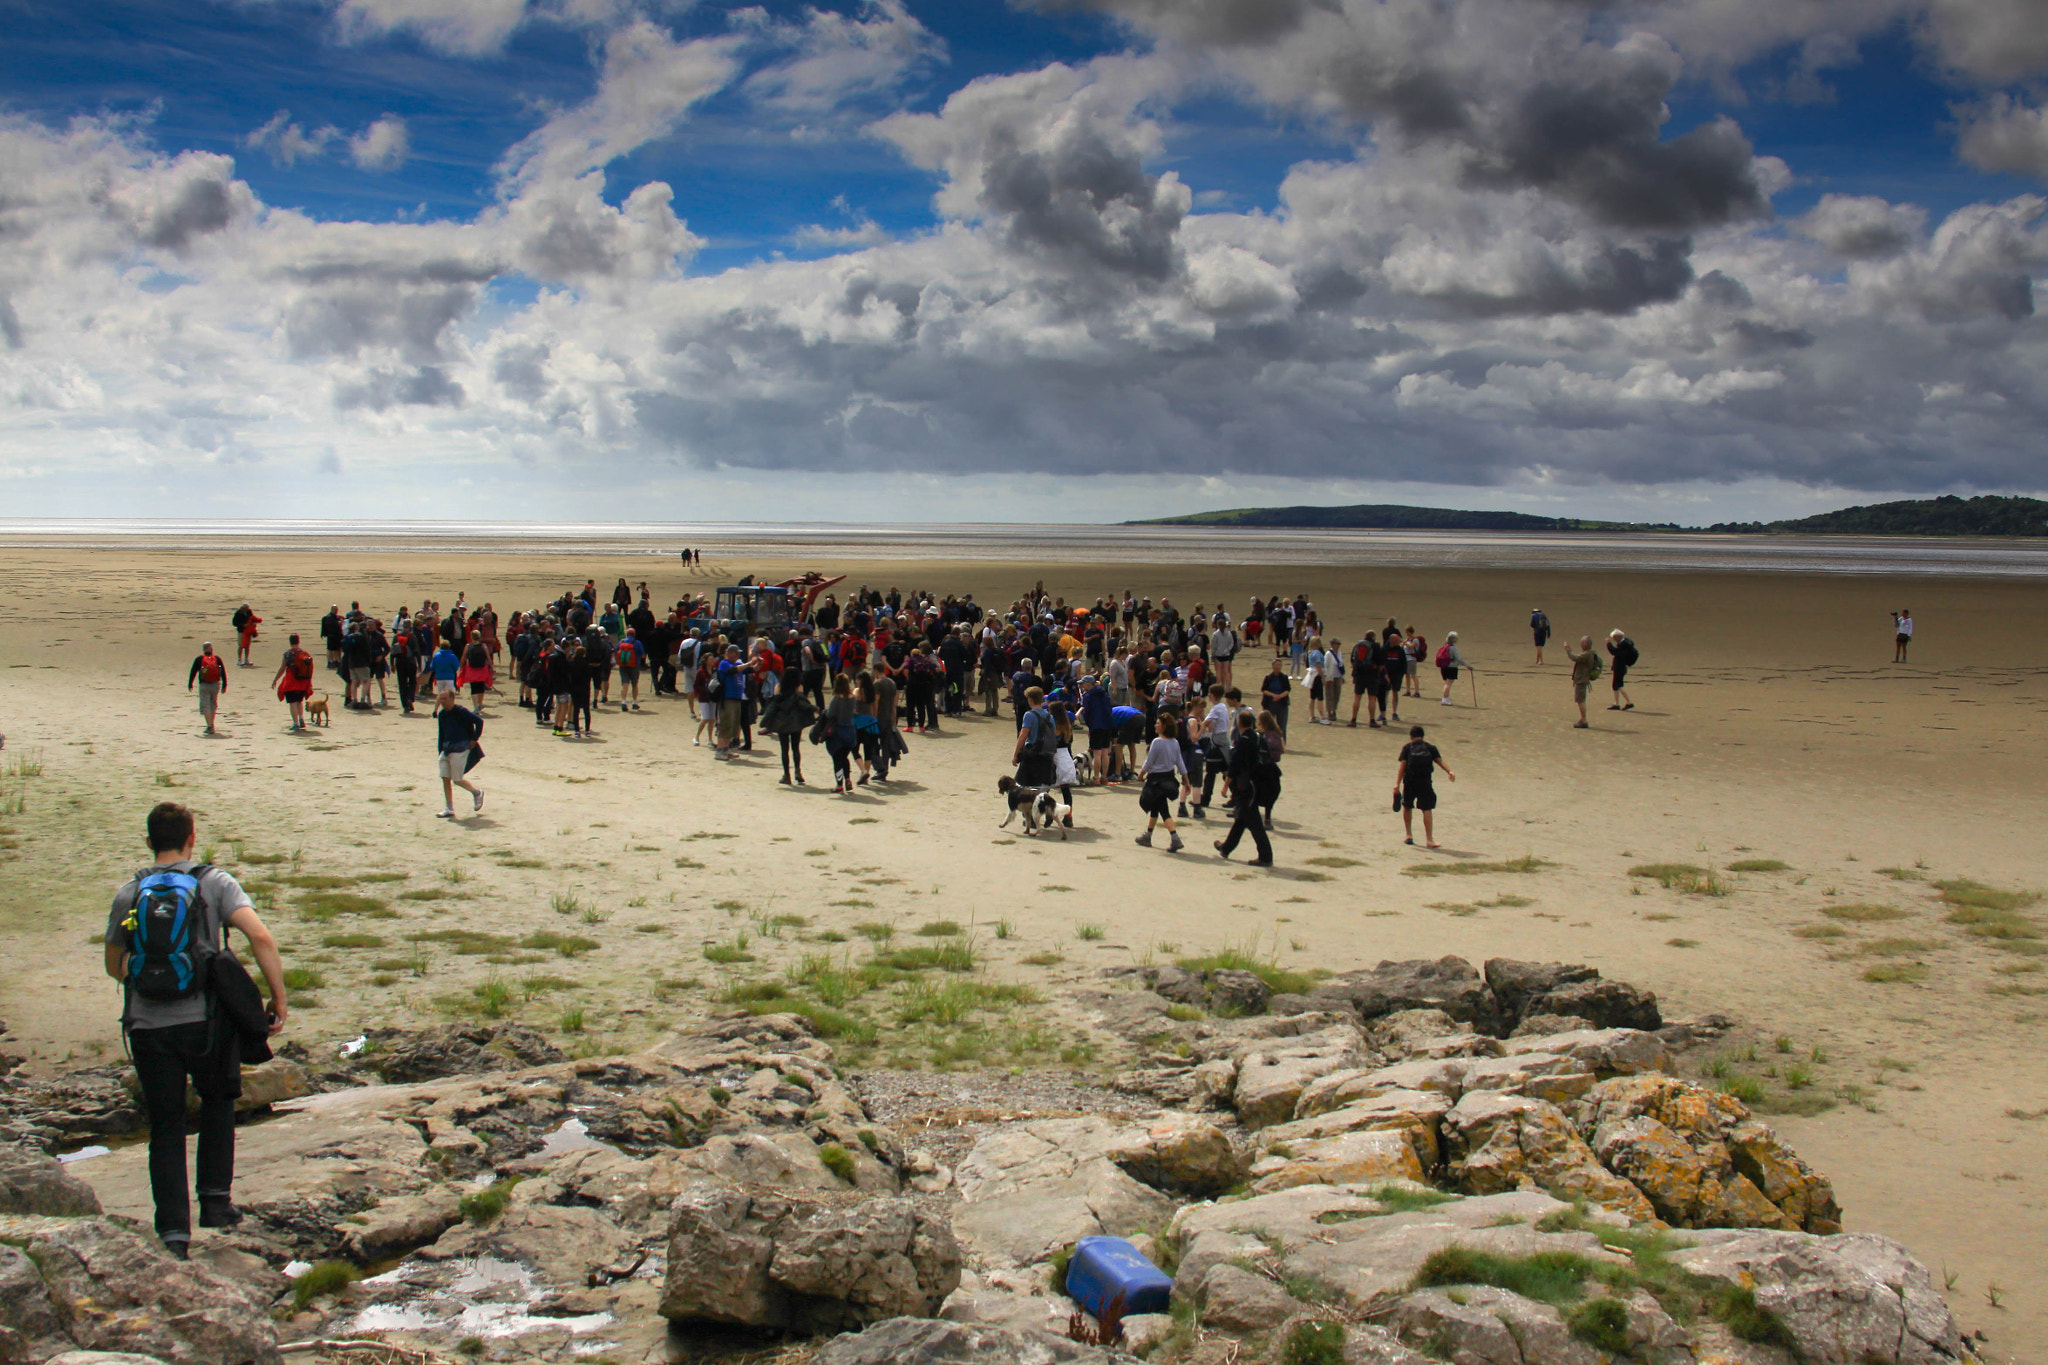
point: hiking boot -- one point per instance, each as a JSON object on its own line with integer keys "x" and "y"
{"x": 180, "y": 1248}
{"x": 1177, "y": 845}
{"x": 1145, "y": 840}
{"x": 1183, "y": 810}
{"x": 218, "y": 1212}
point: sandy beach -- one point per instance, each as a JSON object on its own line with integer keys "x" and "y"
{"x": 1895, "y": 1049}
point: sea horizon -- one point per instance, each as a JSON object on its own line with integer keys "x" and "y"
{"x": 1065, "y": 542}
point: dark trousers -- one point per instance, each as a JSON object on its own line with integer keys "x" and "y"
{"x": 814, "y": 687}
{"x": 1213, "y": 769}
{"x": 792, "y": 750}
{"x": 408, "y": 688}
{"x": 1248, "y": 821}
{"x": 164, "y": 1057}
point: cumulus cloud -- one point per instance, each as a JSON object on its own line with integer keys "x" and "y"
{"x": 2007, "y": 134}
{"x": 383, "y": 146}
{"x": 464, "y": 28}
{"x": 286, "y": 142}
{"x": 1863, "y": 226}
{"x": 837, "y": 59}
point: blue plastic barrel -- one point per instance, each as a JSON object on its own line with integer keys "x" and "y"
{"x": 1109, "y": 1273}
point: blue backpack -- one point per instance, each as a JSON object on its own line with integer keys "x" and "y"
{"x": 167, "y": 948}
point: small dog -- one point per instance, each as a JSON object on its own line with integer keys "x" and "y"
{"x": 1041, "y": 807}
{"x": 316, "y": 708}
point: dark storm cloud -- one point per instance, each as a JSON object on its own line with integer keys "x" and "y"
{"x": 1205, "y": 21}
{"x": 428, "y": 386}
{"x": 201, "y": 205}
{"x": 1086, "y": 198}
{"x": 1615, "y": 279}
{"x": 344, "y": 322}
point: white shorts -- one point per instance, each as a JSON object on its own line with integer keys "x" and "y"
{"x": 453, "y": 766}
{"x": 707, "y": 710}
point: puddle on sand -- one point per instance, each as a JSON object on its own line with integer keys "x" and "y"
{"x": 488, "y": 1297}
{"x": 82, "y": 1154}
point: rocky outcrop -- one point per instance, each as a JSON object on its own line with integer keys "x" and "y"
{"x": 1178, "y": 1153}
{"x": 908, "y": 1341}
{"x": 1449, "y": 984}
{"x": 92, "y": 1284}
{"x": 754, "y": 1259}
{"x": 402, "y": 1056}
{"x": 31, "y": 1183}
{"x": 1495, "y": 1142}
{"x": 1701, "y": 1159}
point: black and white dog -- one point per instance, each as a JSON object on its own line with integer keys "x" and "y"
{"x": 1040, "y": 807}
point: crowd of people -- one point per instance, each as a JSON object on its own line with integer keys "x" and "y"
{"x": 1112, "y": 692}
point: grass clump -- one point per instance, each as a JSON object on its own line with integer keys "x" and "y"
{"x": 874, "y": 931}
{"x": 1410, "y": 1198}
{"x": 1897, "y": 947}
{"x": 350, "y": 941}
{"x": 1862, "y": 914}
{"x": 304, "y": 978}
{"x": 1528, "y": 862}
{"x": 938, "y": 928}
{"x": 948, "y": 957}
{"x": 728, "y": 953}
{"x": 1043, "y": 959}
{"x": 1186, "y": 1014}
{"x": 316, "y": 881}
{"x": 1557, "y": 1278}
{"x": 1089, "y": 933}
{"x": 1687, "y": 877}
{"x": 488, "y": 1204}
{"x": 323, "y": 1278}
{"x": 1821, "y": 931}
{"x": 1334, "y": 861}
{"x": 1235, "y": 959}
{"x": 1601, "y": 1323}
{"x": 837, "y": 1160}
{"x": 466, "y": 942}
{"x": 566, "y": 945}
{"x": 1314, "y": 1343}
{"x": 1989, "y": 913}
{"x": 953, "y": 1001}
{"x": 571, "y": 1020}
{"x": 1896, "y": 973}
{"x": 1759, "y": 865}
{"x": 322, "y": 906}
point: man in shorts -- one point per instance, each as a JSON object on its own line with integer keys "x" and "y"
{"x": 1585, "y": 670}
{"x": 446, "y": 667}
{"x": 330, "y": 631}
{"x": 1128, "y": 725}
{"x": 212, "y": 677}
{"x": 294, "y": 682}
{"x": 629, "y": 659}
{"x": 1624, "y": 653}
{"x": 732, "y": 700}
{"x": 1415, "y": 785}
{"x": 457, "y": 730}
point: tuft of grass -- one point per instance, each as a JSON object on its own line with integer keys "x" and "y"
{"x": 953, "y": 1001}
{"x": 566, "y": 945}
{"x": 949, "y": 957}
{"x": 1759, "y": 865}
{"x": 837, "y": 1160}
{"x": 1043, "y": 960}
{"x": 1821, "y": 931}
{"x": 938, "y": 928}
{"x": 1186, "y": 1014}
{"x": 1334, "y": 861}
{"x": 1409, "y": 1199}
{"x": 1862, "y": 914}
{"x": 1247, "y": 959}
{"x": 1601, "y": 1323}
{"x": 1976, "y": 895}
{"x": 874, "y": 931}
{"x": 303, "y": 978}
{"x": 1890, "y": 973}
{"x": 1528, "y": 862}
{"x": 1314, "y": 1343}
{"x": 1897, "y": 947}
{"x": 732, "y": 951}
{"x": 1089, "y": 933}
{"x": 1557, "y": 1278}
{"x": 316, "y": 881}
{"x": 571, "y": 1020}
{"x": 1901, "y": 874}
{"x": 492, "y": 996}
{"x": 1988, "y": 913}
{"x": 351, "y": 941}
{"x": 489, "y": 1203}
{"x": 1749, "y": 1089}
{"x": 1687, "y": 877}
{"x": 323, "y": 906}
{"x": 321, "y": 1279}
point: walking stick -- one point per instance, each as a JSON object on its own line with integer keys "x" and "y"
{"x": 1473, "y": 673}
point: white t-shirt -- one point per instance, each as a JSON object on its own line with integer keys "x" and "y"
{"x": 1219, "y": 723}
{"x": 1906, "y": 626}
{"x": 1333, "y": 664}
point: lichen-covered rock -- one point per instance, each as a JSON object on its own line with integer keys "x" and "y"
{"x": 1539, "y": 1075}
{"x": 1494, "y": 1142}
{"x": 1487, "y": 1326}
{"x": 1605, "y": 1052}
{"x": 1178, "y": 1152}
{"x": 1271, "y": 1078}
{"x": 1338, "y": 1089}
{"x": 752, "y": 1259}
{"x": 1360, "y": 1158}
{"x": 1732, "y": 1148}
{"x": 400, "y": 1055}
{"x": 93, "y": 1284}
{"x": 1414, "y": 1114}
{"x": 1845, "y": 1300}
{"x": 1689, "y": 1186}
{"x": 1237, "y": 1300}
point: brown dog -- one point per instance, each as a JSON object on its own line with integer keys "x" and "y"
{"x": 316, "y": 708}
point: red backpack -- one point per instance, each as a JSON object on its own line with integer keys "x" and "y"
{"x": 1443, "y": 656}
{"x": 211, "y": 669}
{"x": 301, "y": 666}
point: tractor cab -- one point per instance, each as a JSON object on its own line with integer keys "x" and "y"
{"x": 753, "y": 609}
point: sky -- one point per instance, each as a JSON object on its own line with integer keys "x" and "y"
{"x": 1052, "y": 260}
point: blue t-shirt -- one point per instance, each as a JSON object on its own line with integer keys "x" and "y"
{"x": 446, "y": 665}
{"x": 1120, "y": 716}
{"x": 732, "y": 680}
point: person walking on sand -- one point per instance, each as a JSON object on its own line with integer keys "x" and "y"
{"x": 1247, "y": 756}
{"x": 1165, "y": 773}
{"x": 1902, "y": 633}
{"x": 1585, "y": 672}
{"x": 246, "y": 621}
{"x": 294, "y": 682}
{"x": 1448, "y": 662}
{"x": 1539, "y": 626}
{"x": 163, "y": 930}
{"x": 211, "y": 675}
{"x": 457, "y": 730}
{"x": 1415, "y": 785}
{"x": 1624, "y": 653}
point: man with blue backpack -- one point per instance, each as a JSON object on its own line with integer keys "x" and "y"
{"x": 184, "y": 1016}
